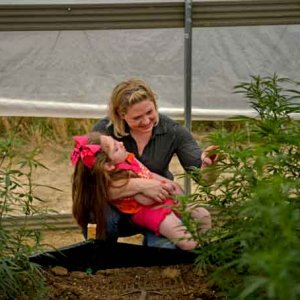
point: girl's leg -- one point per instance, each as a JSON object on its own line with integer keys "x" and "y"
{"x": 202, "y": 215}
{"x": 173, "y": 229}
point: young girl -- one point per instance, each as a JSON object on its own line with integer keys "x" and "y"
{"x": 99, "y": 161}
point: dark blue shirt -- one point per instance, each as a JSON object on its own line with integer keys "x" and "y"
{"x": 168, "y": 138}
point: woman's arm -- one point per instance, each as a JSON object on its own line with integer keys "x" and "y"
{"x": 144, "y": 200}
{"x": 187, "y": 149}
{"x": 190, "y": 155}
{"x": 151, "y": 188}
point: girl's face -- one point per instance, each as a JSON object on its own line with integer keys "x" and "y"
{"x": 115, "y": 150}
{"x": 141, "y": 117}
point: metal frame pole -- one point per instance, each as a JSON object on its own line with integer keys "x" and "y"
{"x": 188, "y": 75}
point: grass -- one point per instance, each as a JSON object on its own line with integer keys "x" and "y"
{"x": 39, "y": 131}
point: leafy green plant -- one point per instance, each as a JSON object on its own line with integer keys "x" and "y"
{"x": 19, "y": 277}
{"x": 255, "y": 200}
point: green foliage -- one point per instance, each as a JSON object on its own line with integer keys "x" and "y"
{"x": 18, "y": 276}
{"x": 255, "y": 200}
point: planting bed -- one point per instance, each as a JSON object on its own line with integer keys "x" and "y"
{"x": 172, "y": 282}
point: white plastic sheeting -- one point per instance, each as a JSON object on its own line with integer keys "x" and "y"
{"x": 72, "y": 73}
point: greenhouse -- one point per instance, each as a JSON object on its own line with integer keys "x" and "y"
{"x": 227, "y": 72}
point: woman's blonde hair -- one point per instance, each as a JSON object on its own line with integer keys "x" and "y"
{"x": 124, "y": 95}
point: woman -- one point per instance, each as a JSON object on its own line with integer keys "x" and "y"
{"x": 154, "y": 138}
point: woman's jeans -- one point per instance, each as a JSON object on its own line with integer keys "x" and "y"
{"x": 120, "y": 225}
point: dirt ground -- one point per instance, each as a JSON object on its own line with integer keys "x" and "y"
{"x": 175, "y": 282}
{"x": 172, "y": 282}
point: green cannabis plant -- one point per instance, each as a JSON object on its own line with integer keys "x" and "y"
{"x": 19, "y": 277}
{"x": 253, "y": 250}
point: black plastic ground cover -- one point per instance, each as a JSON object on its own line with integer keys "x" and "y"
{"x": 100, "y": 255}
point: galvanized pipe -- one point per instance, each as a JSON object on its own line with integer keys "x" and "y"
{"x": 188, "y": 75}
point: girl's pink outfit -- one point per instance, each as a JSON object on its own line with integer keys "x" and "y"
{"x": 147, "y": 216}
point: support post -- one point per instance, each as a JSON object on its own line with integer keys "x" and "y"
{"x": 188, "y": 75}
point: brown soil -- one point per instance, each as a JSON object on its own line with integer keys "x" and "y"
{"x": 173, "y": 282}
{"x": 157, "y": 282}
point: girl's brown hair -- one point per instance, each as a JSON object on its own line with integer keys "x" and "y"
{"x": 124, "y": 95}
{"x": 90, "y": 189}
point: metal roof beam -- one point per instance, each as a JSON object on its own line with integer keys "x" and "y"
{"x": 147, "y": 15}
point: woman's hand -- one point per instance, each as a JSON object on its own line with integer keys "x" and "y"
{"x": 156, "y": 189}
{"x": 209, "y": 156}
{"x": 176, "y": 189}
{"x": 173, "y": 187}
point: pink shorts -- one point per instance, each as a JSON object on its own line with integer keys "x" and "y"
{"x": 151, "y": 216}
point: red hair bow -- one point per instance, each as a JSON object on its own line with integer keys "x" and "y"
{"x": 84, "y": 151}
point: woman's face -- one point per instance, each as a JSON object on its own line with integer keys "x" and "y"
{"x": 141, "y": 117}
{"x": 114, "y": 149}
